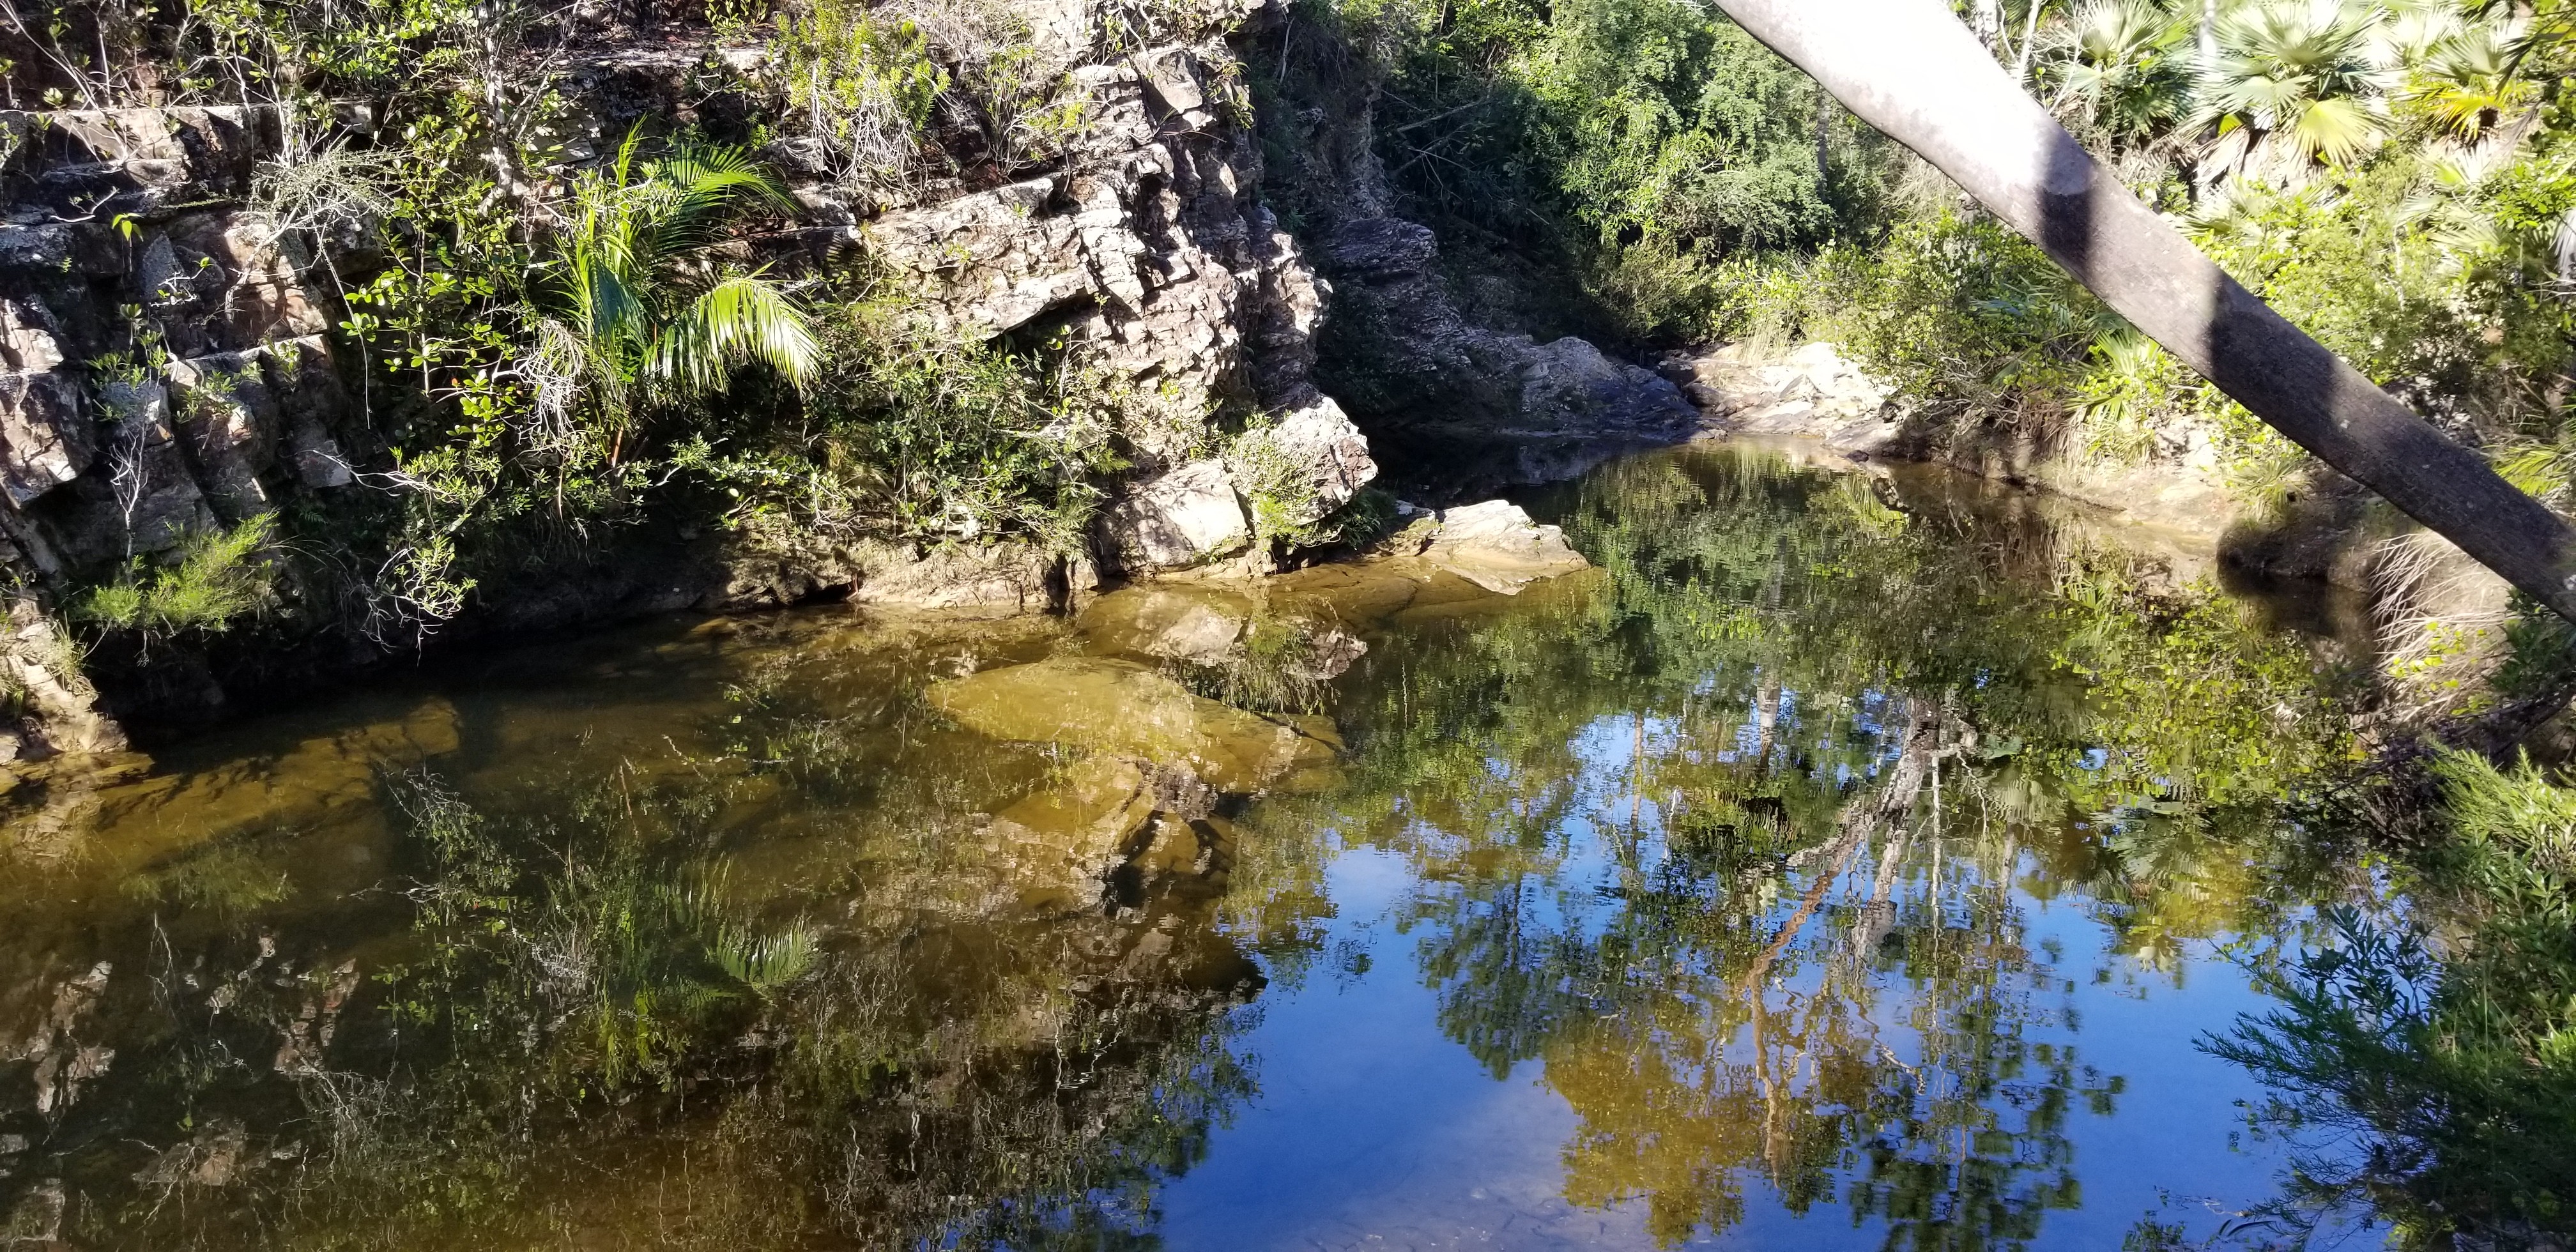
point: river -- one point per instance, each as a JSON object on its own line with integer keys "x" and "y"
{"x": 1847, "y": 860}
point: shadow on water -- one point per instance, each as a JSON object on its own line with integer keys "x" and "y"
{"x": 1791, "y": 851}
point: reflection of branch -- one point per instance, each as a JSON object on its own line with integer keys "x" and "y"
{"x": 1863, "y": 818}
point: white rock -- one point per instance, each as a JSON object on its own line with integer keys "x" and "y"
{"x": 1186, "y": 517}
{"x": 1324, "y": 451}
{"x": 1496, "y": 546}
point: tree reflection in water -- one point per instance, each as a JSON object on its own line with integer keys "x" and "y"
{"x": 713, "y": 943}
{"x": 1830, "y": 748}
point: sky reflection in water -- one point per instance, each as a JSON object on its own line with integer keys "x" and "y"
{"x": 1840, "y": 865}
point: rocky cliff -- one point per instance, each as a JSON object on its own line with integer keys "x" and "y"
{"x": 177, "y": 362}
{"x": 174, "y": 366}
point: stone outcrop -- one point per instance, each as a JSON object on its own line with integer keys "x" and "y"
{"x": 1492, "y": 409}
{"x": 1186, "y": 517}
{"x": 1494, "y": 545}
{"x": 1151, "y": 247}
{"x": 169, "y": 365}
{"x": 1314, "y": 457}
{"x": 1811, "y": 391}
{"x": 164, "y": 369}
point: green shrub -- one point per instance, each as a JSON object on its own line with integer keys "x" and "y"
{"x": 216, "y": 579}
{"x": 911, "y": 433}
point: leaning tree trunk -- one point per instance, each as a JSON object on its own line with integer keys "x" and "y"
{"x": 1909, "y": 68}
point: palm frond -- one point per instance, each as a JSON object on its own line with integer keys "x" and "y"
{"x": 744, "y": 317}
{"x": 700, "y": 186}
{"x": 2337, "y": 130}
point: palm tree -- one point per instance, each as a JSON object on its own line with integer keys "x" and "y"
{"x": 2468, "y": 82}
{"x": 2293, "y": 82}
{"x": 653, "y": 315}
{"x": 2124, "y": 61}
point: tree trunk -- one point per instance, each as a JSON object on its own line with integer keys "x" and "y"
{"x": 1909, "y": 68}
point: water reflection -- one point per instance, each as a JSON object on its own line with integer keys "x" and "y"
{"x": 839, "y": 932}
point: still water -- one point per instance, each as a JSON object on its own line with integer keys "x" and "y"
{"x": 1842, "y": 862}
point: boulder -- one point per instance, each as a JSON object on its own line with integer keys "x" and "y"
{"x": 1496, "y": 546}
{"x": 1172, "y": 76}
{"x": 1567, "y": 385}
{"x": 45, "y": 439}
{"x": 27, "y": 339}
{"x": 1812, "y": 391}
{"x": 1187, "y": 517}
{"x": 1314, "y": 459}
{"x": 1124, "y": 708}
{"x": 1490, "y": 408}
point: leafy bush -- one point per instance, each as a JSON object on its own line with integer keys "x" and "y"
{"x": 2429, "y": 1065}
{"x": 910, "y": 433}
{"x": 861, "y": 85}
{"x": 1640, "y": 148}
{"x": 216, "y": 579}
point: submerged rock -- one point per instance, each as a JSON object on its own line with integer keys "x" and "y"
{"x": 1054, "y": 849}
{"x": 1200, "y": 625}
{"x": 1125, "y": 708}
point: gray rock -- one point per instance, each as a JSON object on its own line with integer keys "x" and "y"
{"x": 1382, "y": 248}
{"x": 1568, "y": 385}
{"x": 1149, "y": 250}
{"x": 44, "y": 438}
{"x": 1324, "y": 457}
{"x": 1494, "y": 408}
{"x": 1811, "y": 391}
{"x": 1187, "y": 517}
{"x": 1172, "y": 75}
{"x": 27, "y": 336}
{"x": 228, "y": 421}
{"x": 1496, "y": 546}
{"x": 46, "y": 248}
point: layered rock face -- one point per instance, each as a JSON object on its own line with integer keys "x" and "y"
{"x": 166, "y": 368}
{"x": 168, "y": 365}
{"x": 1151, "y": 249}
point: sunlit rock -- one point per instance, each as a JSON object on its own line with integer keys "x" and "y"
{"x": 1125, "y": 708}
{"x": 1013, "y": 576}
{"x": 1187, "y": 517}
{"x": 1812, "y": 391}
{"x": 1321, "y": 455}
{"x": 1496, "y": 546}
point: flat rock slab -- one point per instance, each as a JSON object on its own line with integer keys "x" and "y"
{"x": 1127, "y": 709}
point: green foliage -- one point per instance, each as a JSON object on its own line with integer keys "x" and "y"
{"x": 211, "y": 581}
{"x": 650, "y": 322}
{"x": 1642, "y": 146}
{"x": 911, "y": 434}
{"x": 860, "y": 84}
{"x": 2430, "y": 1064}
